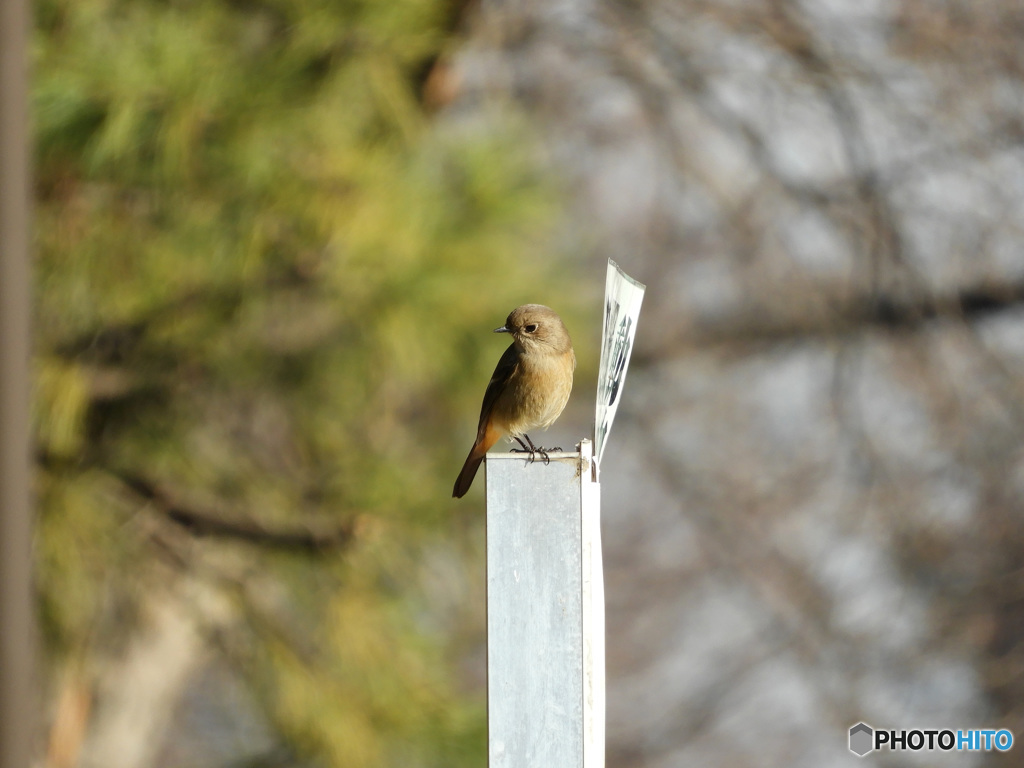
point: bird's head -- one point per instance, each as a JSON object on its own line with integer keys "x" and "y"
{"x": 534, "y": 327}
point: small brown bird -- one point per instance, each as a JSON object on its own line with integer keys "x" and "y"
{"x": 529, "y": 387}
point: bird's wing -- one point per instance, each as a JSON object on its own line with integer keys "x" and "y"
{"x": 503, "y": 371}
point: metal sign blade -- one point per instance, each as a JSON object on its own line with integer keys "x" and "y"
{"x": 622, "y": 299}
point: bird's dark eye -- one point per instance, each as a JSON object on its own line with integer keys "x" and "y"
{"x": 530, "y": 328}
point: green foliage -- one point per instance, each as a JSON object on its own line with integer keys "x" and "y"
{"x": 262, "y": 276}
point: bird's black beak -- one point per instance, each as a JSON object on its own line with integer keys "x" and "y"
{"x": 503, "y": 329}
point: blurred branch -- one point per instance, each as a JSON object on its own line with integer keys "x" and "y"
{"x": 205, "y": 523}
{"x": 868, "y": 313}
{"x": 117, "y": 341}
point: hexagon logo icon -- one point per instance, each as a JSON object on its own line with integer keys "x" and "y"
{"x": 862, "y": 738}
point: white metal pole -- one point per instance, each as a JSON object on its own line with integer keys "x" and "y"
{"x": 545, "y": 612}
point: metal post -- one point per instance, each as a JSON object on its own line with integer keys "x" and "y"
{"x": 545, "y": 612}
{"x": 17, "y": 702}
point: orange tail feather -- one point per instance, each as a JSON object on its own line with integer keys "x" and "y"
{"x": 476, "y": 455}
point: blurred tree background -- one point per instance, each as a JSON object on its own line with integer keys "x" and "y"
{"x": 265, "y": 282}
{"x": 272, "y": 238}
{"x": 813, "y": 501}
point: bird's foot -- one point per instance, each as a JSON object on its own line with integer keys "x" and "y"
{"x": 531, "y": 456}
{"x": 522, "y": 446}
{"x": 533, "y": 450}
{"x": 543, "y": 451}
{"x": 523, "y": 449}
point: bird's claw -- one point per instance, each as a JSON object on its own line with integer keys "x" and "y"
{"x": 532, "y": 455}
{"x": 533, "y": 450}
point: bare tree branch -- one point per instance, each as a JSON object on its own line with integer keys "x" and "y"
{"x": 205, "y": 523}
{"x": 865, "y": 314}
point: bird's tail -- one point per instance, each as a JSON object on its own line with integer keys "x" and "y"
{"x": 469, "y": 469}
{"x": 486, "y": 437}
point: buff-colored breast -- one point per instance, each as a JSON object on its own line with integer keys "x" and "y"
{"x": 536, "y": 394}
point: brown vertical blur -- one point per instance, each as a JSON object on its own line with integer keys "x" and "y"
{"x": 16, "y": 653}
